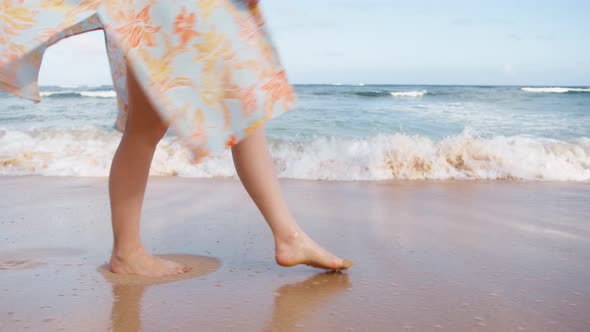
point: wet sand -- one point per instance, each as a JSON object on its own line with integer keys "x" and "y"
{"x": 429, "y": 256}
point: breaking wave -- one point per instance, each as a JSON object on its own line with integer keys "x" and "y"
{"x": 79, "y": 94}
{"x": 556, "y": 90}
{"x": 409, "y": 93}
{"x": 391, "y": 93}
{"x": 88, "y": 152}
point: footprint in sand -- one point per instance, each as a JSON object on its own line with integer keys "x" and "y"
{"x": 20, "y": 264}
{"x": 30, "y": 258}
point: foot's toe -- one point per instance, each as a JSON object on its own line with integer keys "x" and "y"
{"x": 346, "y": 263}
{"x": 183, "y": 269}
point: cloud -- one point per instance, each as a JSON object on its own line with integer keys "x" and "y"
{"x": 467, "y": 22}
{"x": 91, "y": 43}
{"x": 462, "y": 22}
{"x": 334, "y": 53}
{"x": 508, "y": 69}
{"x": 496, "y": 21}
{"x": 543, "y": 37}
{"x": 514, "y": 36}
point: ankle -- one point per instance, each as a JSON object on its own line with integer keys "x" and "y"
{"x": 123, "y": 252}
{"x": 288, "y": 238}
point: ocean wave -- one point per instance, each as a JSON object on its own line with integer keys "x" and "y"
{"x": 372, "y": 93}
{"x": 88, "y": 152}
{"x": 556, "y": 90}
{"x": 391, "y": 93}
{"x": 409, "y": 93}
{"x": 79, "y": 94}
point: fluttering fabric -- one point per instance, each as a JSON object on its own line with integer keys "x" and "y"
{"x": 208, "y": 66}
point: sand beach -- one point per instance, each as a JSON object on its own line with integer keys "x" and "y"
{"x": 428, "y": 256}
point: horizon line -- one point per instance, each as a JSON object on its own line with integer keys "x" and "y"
{"x": 371, "y": 84}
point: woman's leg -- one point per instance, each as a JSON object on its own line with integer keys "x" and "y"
{"x": 127, "y": 183}
{"x": 256, "y": 171}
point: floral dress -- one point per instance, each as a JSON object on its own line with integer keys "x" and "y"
{"x": 207, "y": 66}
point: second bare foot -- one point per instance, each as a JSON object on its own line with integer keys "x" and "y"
{"x": 301, "y": 249}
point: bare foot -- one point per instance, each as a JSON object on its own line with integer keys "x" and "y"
{"x": 141, "y": 263}
{"x": 300, "y": 249}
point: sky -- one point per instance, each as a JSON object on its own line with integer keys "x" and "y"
{"x": 517, "y": 42}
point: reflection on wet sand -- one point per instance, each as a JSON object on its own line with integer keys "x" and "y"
{"x": 126, "y": 311}
{"x": 294, "y": 302}
{"x": 128, "y": 290}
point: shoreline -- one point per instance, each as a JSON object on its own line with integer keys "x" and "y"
{"x": 367, "y": 182}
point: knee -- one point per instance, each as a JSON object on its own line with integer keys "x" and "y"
{"x": 149, "y": 137}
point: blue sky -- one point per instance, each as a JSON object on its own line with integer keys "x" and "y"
{"x": 399, "y": 42}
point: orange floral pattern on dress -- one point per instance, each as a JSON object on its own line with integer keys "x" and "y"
{"x": 277, "y": 89}
{"x": 183, "y": 25}
{"x": 248, "y": 99}
{"x": 139, "y": 29}
{"x": 14, "y": 18}
{"x": 231, "y": 141}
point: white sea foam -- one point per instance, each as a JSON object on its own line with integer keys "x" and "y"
{"x": 90, "y": 94}
{"x": 555, "y": 90}
{"x": 49, "y": 93}
{"x": 69, "y": 86}
{"x": 409, "y": 93}
{"x": 88, "y": 152}
{"x": 99, "y": 94}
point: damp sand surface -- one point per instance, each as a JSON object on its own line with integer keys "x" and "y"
{"x": 428, "y": 256}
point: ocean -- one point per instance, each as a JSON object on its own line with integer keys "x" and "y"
{"x": 336, "y": 132}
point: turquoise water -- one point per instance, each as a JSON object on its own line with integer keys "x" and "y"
{"x": 336, "y": 132}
